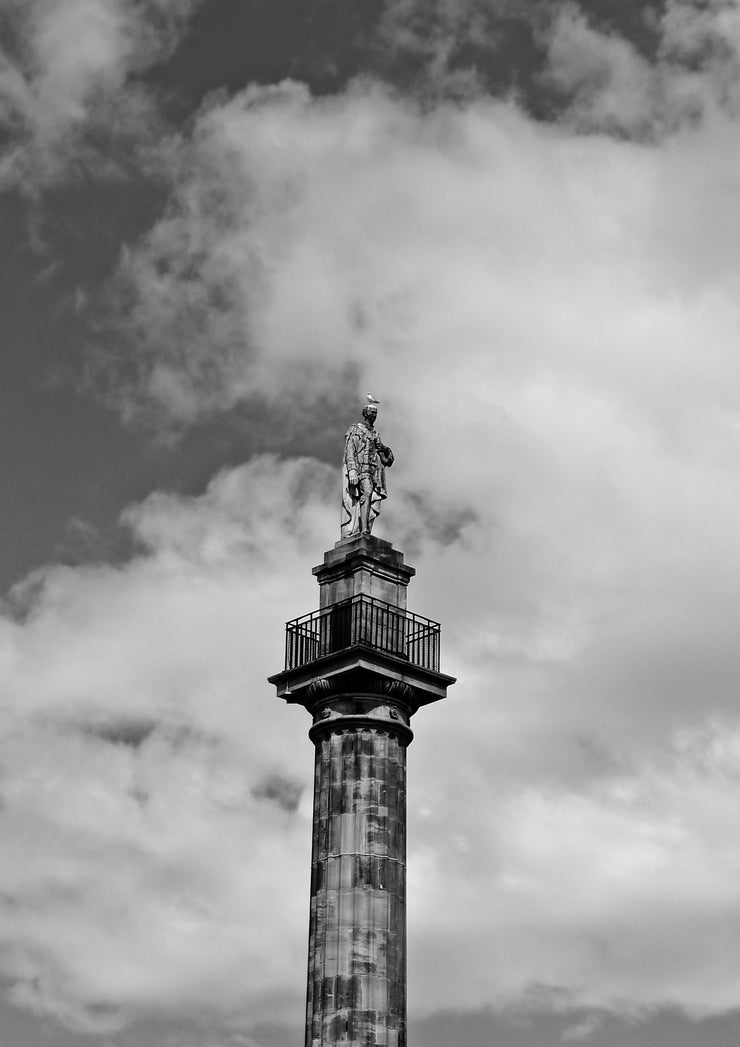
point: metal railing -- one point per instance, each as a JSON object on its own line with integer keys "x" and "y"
{"x": 362, "y": 620}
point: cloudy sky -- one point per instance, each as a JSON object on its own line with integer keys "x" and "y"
{"x": 517, "y": 223}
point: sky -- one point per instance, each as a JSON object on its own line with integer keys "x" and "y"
{"x": 517, "y": 225}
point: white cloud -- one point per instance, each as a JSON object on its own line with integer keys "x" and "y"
{"x": 152, "y": 869}
{"x": 552, "y": 325}
{"x": 358, "y": 229}
{"x": 66, "y": 77}
{"x": 608, "y": 85}
{"x": 619, "y": 895}
{"x": 550, "y": 320}
{"x": 148, "y": 860}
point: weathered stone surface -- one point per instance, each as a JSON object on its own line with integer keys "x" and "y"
{"x": 357, "y": 936}
{"x": 364, "y": 565}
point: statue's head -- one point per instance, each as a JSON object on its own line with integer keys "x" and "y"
{"x": 370, "y": 413}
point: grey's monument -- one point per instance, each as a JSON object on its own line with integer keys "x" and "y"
{"x": 361, "y": 665}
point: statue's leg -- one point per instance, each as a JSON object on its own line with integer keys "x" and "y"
{"x": 366, "y": 496}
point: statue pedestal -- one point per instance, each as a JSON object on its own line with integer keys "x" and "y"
{"x": 363, "y": 565}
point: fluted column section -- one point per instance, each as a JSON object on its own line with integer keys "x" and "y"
{"x": 357, "y": 936}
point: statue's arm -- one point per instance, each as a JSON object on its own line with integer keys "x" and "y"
{"x": 350, "y": 457}
{"x": 385, "y": 453}
{"x": 350, "y": 451}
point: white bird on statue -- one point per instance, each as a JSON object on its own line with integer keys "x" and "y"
{"x": 371, "y": 399}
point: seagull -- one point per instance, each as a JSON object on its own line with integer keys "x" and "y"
{"x": 371, "y": 399}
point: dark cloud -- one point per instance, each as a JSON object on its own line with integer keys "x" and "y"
{"x": 132, "y": 733}
{"x": 430, "y": 516}
{"x": 285, "y": 792}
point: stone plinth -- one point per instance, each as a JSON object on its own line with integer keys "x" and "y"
{"x": 363, "y": 565}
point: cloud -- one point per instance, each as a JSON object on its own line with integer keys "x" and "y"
{"x": 307, "y": 234}
{"x": 69, "y": 95}
{"x": 285, "y": 792}
{"x": 582, "y": 1030}
{"x": 619, "y": 895}
{"x": 550, "y": 320}
{"x": 607, "y": 84}
{"x": 458, "y": 48}
{"x": 550, "y": 323}
{"x": 156, "y": 797}
{"x": 142, "y": 748}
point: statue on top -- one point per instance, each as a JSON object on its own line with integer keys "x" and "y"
{"x": 363, "y": 473}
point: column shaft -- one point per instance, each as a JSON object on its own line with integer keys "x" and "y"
{"x": 357, "y": 934}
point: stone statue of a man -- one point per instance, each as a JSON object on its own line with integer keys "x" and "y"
{"x": 363, "y": 473}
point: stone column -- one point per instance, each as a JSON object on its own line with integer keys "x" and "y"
{"x": 362, "y": 666}
{"x": 357, "y": 932}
